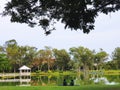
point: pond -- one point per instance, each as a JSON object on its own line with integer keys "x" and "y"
{"x": 50, "y": 80}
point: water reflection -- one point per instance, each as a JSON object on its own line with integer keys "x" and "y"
{"x": 103, "y": 80}
{"x": 13, "y": 81}
{"x": 79, "y": 79}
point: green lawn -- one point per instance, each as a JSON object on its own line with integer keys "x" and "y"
{"x": 86, "y": 87}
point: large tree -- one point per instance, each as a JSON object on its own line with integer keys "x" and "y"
{"x": 83, "y": 57}
{"x": 100, "y": 58}
{"x": 27, "y": 54}
{"x": 62, "y": 59}
{"x": 75, "y": 14}
{"x": 43, "y": 59}
{"x": 11, "y": 48}
{"x": 19, "y": 55}
{"x": 4, "y": 63}
{"x": 116, "y": 57}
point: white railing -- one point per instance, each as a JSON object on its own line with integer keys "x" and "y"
{"x": 9, "y": 74}
{"x": 10, "y": 80}
{"x": 15, "y": 80}
{"x": 22, "y": 74}
{"x": 25, "y": 80}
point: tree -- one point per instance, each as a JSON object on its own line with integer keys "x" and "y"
{"x": 2, "y": 50}
{"x": 83, "y": 57}
{"x": 12, "y": 51}
{"x": 116, "y": 57}
{"x": 48, "y": 56}
{"x": 36, "y": 63}
{"x": 111, "y": 65}
{"x": 76, "y": 58}
{"x": 100, "y": 58}
{"x": 27, "y": 54}
{"x": 4, "y": 63}
{"x": 62, "y": 59}
{"x": 75, "y": 14}
{"x": 44, "y": 58}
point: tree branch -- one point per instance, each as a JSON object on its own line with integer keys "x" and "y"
{"x": 104, "y": 5}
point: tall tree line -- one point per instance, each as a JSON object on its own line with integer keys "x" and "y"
{"x": 13, "y": 56}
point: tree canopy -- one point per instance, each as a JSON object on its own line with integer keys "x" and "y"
{"x": 13, "y": 56}
{"x": 75, "y": 14}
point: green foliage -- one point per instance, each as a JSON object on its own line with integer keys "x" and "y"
{"x": 116, "y": 54}
{"x": 83, "y": 57}
{"x": 116, "y": 57}
{"x": 12, "y": 56}
{"x": 4, "y": 63}
{"x": 62, "y": 59}
{"x": 77, "y": 14}
{"x": 100, "y": 58}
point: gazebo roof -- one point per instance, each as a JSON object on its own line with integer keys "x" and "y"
{"x": 24, "y": 68}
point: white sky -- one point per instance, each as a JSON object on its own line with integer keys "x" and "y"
{"x": 105, "y": 36}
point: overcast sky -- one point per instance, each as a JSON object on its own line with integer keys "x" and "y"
{"x": 106, "y": 34}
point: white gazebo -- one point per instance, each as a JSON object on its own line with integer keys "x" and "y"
{"x": 24, "y": 70}
{"x": 25, "y": 74}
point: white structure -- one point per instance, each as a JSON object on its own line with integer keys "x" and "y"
{"x": 24, "y": 70}
{"x": 25, "y": 75}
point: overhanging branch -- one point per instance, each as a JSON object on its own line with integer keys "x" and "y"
{"x": 99, "y": 8}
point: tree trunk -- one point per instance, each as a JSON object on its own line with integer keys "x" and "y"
{"x": 48, "y": 65}
{"x": 38, "y": 68}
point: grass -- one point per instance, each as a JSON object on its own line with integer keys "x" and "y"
{"x": 86, "y": 87}
{"x": 112, "y": 72}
